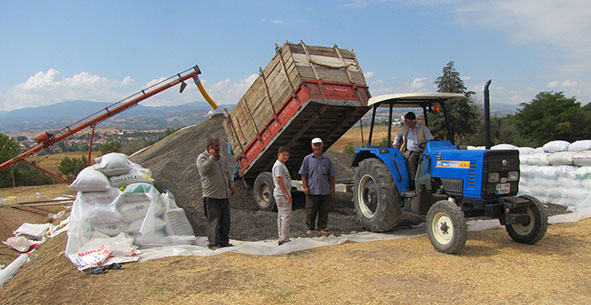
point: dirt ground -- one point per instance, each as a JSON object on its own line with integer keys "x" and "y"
{"x": 491, "y": 269}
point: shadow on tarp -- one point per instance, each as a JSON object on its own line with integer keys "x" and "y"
{"x": 270, "y": 247}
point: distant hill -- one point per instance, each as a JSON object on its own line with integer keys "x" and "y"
{"x": 500, "y": 109}
{"x": 59, "y": 115}
{"x": 141, "y": 117}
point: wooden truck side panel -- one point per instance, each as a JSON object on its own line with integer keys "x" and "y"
{"x": 304, "y": 92}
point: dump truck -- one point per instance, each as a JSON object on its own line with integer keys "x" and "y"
{"x": 304, "y": 92}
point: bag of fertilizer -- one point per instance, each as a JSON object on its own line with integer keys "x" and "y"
{"x": 503, "y": 147}
{"x": 137, "y": 174}
{"x": 111, "y": 230}
{"x": 525, "y": 150}
{"x": 539, "y": 159}
{"x": 561, "y": 158}
{"x": 135, "y": 227}
{"x": 580, "y": 145}
{"x": 90, "y": 180}
{"x": 582, "y": 158}
{"x": 113, "y": 164}
{"x": 556, "y": 146}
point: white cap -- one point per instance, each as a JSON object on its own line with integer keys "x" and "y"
{"x": 316, "y": 140}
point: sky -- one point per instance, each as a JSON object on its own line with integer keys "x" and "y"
{"x": 104, "y": 51}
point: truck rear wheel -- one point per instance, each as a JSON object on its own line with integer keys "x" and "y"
{"x": 376, "y": 199}
{"x": 446, "y": 227}
{"x": 263, "y": 192}
{"x": 535, "y": 228}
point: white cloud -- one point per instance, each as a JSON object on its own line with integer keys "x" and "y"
{"x": 274, "y": 21}
{"x": 45, "y": 88}
{"x": 552, "y": 84}
{"x": 558, "y": 29}
{"x": 418, "y": 83}
{"x": 223, "y": 92}
{"x": 368, "y": 75}
{"x": 568, "y": 83}
{"x": 561, "y": 24}
{"x": 50, "y": 87}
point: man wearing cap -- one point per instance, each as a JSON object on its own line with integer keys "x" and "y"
{"x": 411, "y": 141}
{"x": 318, "y": 181}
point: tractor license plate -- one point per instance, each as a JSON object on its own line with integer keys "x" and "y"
{"x": 503, "y": 188}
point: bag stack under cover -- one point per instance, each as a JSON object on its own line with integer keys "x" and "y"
{"x": 559, "y": 172}
{"x": 116, "y": 200}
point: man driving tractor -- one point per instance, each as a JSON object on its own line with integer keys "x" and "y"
{"x": 411, "y": 142}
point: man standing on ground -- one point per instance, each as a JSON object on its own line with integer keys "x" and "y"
{"x": 282, "y": 194}
{"x": 411, "y": 141}
{"x": 318, "y": 181}
{"x": 217, "y": 186}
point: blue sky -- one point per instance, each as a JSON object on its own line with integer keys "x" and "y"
{"x": 55, "y": 51}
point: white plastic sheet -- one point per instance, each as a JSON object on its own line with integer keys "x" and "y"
{"x": 270, "y": 247}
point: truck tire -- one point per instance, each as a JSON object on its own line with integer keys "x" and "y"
{"x": 446, "y": 227}
{"x": 263, "y": 191}
{"x": 535, "y": 229}
{"x": 376, "y": 198}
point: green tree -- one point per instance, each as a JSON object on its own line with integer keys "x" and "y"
{"x": 8, "y": 150}
{"x": 70, "y": 167}
{"x": 464, "y": 116}
{"x": 349, "y": 148}
{"x": 110, "y": 147}
{"x": 25, "y": 175}
{"x": 552, "y": 116}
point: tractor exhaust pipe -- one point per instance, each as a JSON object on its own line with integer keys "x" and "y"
{"x": 487, "y": 115}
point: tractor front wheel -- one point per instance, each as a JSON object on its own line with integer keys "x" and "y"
{"x": 446, "y": 227}
{"x": 532, "y": 231}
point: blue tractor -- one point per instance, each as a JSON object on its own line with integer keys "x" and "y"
{"x": 450, "y": 183}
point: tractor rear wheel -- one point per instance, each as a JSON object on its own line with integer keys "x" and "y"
{"x": 263, "y": 191}
{"x": 446, "y": 227}
{"x": 532, "y": 231}
{"x": 376, "y": 199}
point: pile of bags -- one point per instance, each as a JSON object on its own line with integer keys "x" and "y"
{"x": 117, "y": 210}
{"x": 559, "y": 172}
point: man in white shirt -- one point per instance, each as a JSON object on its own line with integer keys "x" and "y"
{"x": 411, "y": 140}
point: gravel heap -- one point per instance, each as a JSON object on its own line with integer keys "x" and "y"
{"x": 172, "y": 161}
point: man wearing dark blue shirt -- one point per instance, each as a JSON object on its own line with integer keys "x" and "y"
{"x": 318, "y": 181}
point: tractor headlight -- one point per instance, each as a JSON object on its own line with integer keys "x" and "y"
{"x": 493, "y": 177}
{"x": 513, "y": 176}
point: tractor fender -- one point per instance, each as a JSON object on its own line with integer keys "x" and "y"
{"x": 393, "y": 160}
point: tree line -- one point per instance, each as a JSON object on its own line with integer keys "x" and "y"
{"x": 549, "y": 116}
{"x": 21, "y": 174}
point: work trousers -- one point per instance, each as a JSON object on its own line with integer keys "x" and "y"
{"x": 218, "y": 220}
{"x": 317, "y": 205}
{"x": 283, "y": 217}
{"x": 412, "y": 161}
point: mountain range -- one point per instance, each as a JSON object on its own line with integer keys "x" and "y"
{"x": 57, "y": 116}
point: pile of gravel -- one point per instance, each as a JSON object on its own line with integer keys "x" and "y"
{"x": 172, "y": 162}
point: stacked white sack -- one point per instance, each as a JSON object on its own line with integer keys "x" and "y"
{"x": 559, "y": 173}
{"x": 103, "y": 211}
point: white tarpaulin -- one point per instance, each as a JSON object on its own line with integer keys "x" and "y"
{"x": 269, "y": 247}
